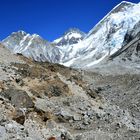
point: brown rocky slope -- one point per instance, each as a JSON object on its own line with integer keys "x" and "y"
{"x": 43, "y": 101}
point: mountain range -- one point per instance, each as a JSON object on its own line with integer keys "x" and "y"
{"x": 78, "y": 49}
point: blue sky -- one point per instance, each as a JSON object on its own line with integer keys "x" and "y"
{"x": 51, "y": 18}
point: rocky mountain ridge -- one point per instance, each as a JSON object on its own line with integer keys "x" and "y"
{"x": 37, "y": 48}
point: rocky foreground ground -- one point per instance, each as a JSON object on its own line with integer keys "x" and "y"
{"x": 43, "y": 101}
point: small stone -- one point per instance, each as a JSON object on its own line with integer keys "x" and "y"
{"x": 70, "y": 121}
{"x": 77, "y": 118}
{"x": 66, "y": 136}
{"x": 90, "y": 113}
{"x": 86, "y": 122}
{"x": 2, "y": 131}
{"x": 50, "y": 124}
{"x": 19, "y": 81}
{"x": 52, "y": 138}
{"x": 100, "y": 107}
{"x": 66, "y": 115}
{"x": 19, "y": 116}
{"x": 134, "y": 123}
{"x": 98, "y": 116}
{"x": 85, "y": 116}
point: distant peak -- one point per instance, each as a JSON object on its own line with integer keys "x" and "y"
{"x": 23, "y": 33}
{"x": 122, "y": 6}
{"x": 124, "y": 2}
{"x": 74, "y": 30}
{"x": 20, "y": 32}
{"x": 35, "y": 35}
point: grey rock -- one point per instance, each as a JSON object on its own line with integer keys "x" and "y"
{"x": 18, "y": 98}
{"x": 66, "y": 115}
{"x": 77, "y": 117}
{"x": 2, "y": 131}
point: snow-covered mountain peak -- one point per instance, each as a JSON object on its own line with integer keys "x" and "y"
{"x": 67, "y": 42}
{"x": 22, "y": 35}
{"x": 107, "y": 36}
{"x": 32, "y": 46}
{"x": 121, "y": 7}
{"x": 126, "y": 2}
{"x": 70, "y": 37}
{"x": 74, "y": 30}
{"x": 19, "y": 33}
{"x": 35, "y": 35}
{"x": 124, "y": 5}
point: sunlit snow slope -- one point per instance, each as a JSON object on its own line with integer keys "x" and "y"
{"x": 106, "y": 37}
